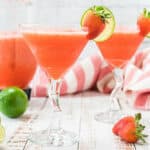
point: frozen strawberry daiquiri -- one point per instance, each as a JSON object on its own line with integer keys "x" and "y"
{"x": 121, "y": 46}
{"x": 15, "y": 70}
{"x": 55, "y": 51}
{"x": 117, "y": 51}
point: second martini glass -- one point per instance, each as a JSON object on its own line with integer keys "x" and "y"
{"x": 117, "y": 51}
{"x": 55, "y": 50}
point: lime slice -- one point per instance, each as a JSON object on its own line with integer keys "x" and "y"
{"x": 103, "y": 14}
{"x": 148, "y": 35}
{"x": 109, "y": 28}
{"x": 2, "y": 133}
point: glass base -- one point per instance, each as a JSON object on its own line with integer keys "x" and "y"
{"x": 54, "y": 138}
{"x": 109, "y": 116}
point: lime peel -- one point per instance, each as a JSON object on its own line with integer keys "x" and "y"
{"x": 2, "y": 133}
{"x": 13, "y": 102}
{"x": 148, "y": 35}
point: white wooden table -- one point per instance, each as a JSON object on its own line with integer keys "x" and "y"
{"x": 79, "y": 110}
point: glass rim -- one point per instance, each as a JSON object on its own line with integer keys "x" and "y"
{"x": 52, "y": 29}
{"x": 126, "y": 28}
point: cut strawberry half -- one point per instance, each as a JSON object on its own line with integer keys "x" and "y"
{"x": 100, "y": 23}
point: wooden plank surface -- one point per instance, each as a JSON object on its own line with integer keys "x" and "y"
{"x": 96, "y": 135}
{"x": 78, "y": 116}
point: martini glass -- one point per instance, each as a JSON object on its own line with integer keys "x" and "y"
{"x": 117, "y": 51}
{"x": 55, "y": 50}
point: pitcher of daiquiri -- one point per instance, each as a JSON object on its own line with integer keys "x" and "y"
{"x": 17, "y": 64}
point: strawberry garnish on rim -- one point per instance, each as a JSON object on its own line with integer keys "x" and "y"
{"x": 100, "y": 21}
{"x": 143, "y": 22}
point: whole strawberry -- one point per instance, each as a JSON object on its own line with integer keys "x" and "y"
{"x": 121, "y": 123}
{"x": 130, "y": 129}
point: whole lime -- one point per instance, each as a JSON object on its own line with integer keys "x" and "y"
{"x": 13, "y": 102}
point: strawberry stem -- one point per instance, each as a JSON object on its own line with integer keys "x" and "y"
{"x": 140, "y": 128}
{"x": 102, "y": 13}
{"x": 146, "y": 13}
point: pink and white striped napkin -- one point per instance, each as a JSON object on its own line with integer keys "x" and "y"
{"x": 137, "y": 79}
{"x": 94, "y": 71}
{"x": 81, "y": 76}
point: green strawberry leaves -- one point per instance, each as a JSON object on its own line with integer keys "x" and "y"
{"x": 146, "y": 13}
{"x": 101, "y": 12}
{"x": 140, "y": 128}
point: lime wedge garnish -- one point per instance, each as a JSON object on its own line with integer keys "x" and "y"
{"x": 148, "y": 35}
{"x": 109, "y": 28}
{"x": 2, "y": 133}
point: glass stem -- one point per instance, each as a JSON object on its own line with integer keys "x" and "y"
{"x": 54, "y": 95}
{"x": 115, "y": 95}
